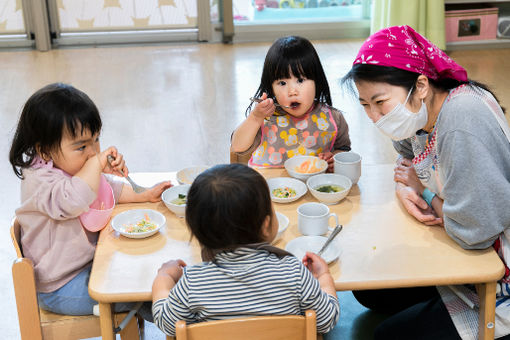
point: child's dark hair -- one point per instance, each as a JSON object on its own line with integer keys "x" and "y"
{"x": 398, "y": 77}
{"x": 297, "y": 55}
{"x": 227, "y": 205}
{"x": 43, "y": 119}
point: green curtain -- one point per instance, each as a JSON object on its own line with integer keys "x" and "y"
{"x": 425, "y": 16}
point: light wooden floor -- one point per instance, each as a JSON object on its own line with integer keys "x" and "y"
{"x": 170, "y": 106}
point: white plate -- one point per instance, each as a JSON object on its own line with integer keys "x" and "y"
{"x": 283, "y": 223}
{"x": 133, "y": 216}
{"x": 279, "y": 182}
{"x": 188, "y": 175}
{"x": 299, "y": 246}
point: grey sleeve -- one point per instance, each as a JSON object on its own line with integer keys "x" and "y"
{"x": 342, "y": 140}
{"x": 404, "y": 148}
{"x": 475, "y": 189}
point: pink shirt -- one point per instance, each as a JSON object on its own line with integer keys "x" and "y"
{"x": 52, "y": 236}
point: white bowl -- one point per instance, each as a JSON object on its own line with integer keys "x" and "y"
{"x": 188, "y": 175}
{"x": 172, "y": 193}
{"x": 329, "y": 179}
{"x": 299, "y": 246}
{"x": 280, "y": 182}
{"x": 292, "y": 163}
{"x": 283, "y": 223}
{"x": 121, "y": 221}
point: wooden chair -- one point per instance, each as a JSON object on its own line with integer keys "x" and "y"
{"x": 38, "y": 324}
{"x": 282, "y": 327}
{"x": 235, "y": 158}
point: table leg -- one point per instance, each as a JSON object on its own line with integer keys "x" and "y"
{"x": 487, "y": 313}
{"x": 106, "y": 321}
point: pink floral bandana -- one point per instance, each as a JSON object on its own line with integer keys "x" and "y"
{"x": 404, "y": 48}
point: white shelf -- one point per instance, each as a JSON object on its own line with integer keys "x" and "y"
{"x": 478, "y": 44}
{"x": 450, "y": 2}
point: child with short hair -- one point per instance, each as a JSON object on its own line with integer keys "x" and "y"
{"x": 229, "y": 211}
{"x": 295, "y": 114}
{"x": 56, "y": 153}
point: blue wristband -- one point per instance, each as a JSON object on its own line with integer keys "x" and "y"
{"x": 428, "y": 196}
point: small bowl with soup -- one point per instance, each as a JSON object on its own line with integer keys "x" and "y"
{"x": 329, "y": 188}
{"x": 175, "y": 198}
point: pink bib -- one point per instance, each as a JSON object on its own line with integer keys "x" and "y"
{"x": 98, "y": 215}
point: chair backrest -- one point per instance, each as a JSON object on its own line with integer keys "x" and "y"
{"x": 282, "y": 327}
{"x": 235, "y": 158}
{"x": 24, "y": 289}
{"x": 16, "y": 237}
{"x": 38, "y": 324}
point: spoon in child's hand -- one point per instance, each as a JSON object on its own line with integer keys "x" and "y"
{"x": 258, "y": 100}
{"x": 136, "y": 188}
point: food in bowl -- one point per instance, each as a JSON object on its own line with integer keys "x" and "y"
{"x": 141, "y": 226}
{"x": 180, "y": 200}
{"x": 302, "y": 167}
{"x": 284, "y": 192}
{"x": 308, "y": 167}
{"x": 329, "y": 188}
{"x": 175, "y": 199}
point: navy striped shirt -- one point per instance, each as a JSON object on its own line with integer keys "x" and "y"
{"x": 245, "y": 282}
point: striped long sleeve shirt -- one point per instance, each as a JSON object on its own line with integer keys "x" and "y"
{"x": 245, "y": 282}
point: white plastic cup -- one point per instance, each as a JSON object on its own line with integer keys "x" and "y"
{"x": 348, "y": 164}
{"x": 313, "y": 218}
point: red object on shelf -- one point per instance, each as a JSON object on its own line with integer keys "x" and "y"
{"x": 471, "y": 24}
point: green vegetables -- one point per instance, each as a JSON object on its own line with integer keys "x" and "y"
{"x": 329, "y": 188}
{"x": 180, "y": 200}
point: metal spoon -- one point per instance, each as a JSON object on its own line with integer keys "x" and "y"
{"x": 136, "y": 188}
{"x": 258, "y": 100}
{"x": 335, "y": 232}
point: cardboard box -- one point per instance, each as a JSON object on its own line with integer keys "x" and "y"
{"x": 471, "y": 24}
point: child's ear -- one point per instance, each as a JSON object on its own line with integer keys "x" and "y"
{"x": 266, "y": 228}
{"x": 42, "y": 154}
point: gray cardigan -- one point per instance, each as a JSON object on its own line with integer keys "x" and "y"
{"x": 474, "y": 158}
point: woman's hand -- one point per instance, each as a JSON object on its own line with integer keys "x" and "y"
{"x": 406, "y": 174}
{"x": 315, "y": 264}
{"x": 263, "y": 109}
{"x": 416, "y": 206}
{"x": 328, "y": 157}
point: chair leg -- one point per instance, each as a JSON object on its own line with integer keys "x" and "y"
{"x": 131, "y": 331}
{"x": 141, "y": 326}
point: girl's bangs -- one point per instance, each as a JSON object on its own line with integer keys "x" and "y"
{"x": 81, "y": 120}
{"x": 284, "y": 67}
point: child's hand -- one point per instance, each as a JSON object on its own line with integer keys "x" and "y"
{"x": 315, "y": 264}
{"x": 118, "y": 165}
{"x": 172, "y": 268}
{"x": 265, "y": 108}
{"x": 328, "y": 157}
{"x": 162, "y": 285}
{"x": 154, "y": 194}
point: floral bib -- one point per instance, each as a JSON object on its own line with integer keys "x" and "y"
{"x": 284, "y": 137}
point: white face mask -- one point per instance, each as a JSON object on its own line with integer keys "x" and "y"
{"x": 401, "y": 123}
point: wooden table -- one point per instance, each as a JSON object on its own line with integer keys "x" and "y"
{"x": 382, "y": 247}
